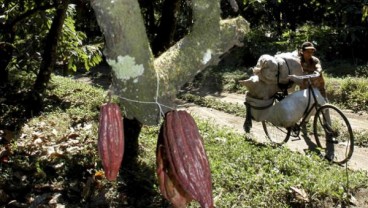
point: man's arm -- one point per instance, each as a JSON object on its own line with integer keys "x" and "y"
{"x": 317, "y": 64}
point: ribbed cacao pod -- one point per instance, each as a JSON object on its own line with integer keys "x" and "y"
{"x": 169, "y": 187}
{"x": 111, "y": 139}
{"x": 182, "y": 165}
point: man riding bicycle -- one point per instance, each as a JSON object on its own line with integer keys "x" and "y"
{"x": 310, "y": 64}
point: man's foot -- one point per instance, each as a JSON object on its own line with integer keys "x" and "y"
{"x": 329, "y": 156}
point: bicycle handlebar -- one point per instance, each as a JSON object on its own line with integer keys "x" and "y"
{"x": 308, "y": 76}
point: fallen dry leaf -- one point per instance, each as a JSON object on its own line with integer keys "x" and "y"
{"x": 300, "y": 194}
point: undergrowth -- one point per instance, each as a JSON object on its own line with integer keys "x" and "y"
{"x": 349, "y": 92}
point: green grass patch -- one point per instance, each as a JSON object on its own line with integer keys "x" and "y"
{"x": 231, "y": 108}
{"x": 217, "y": 79}
{"x": 348, "y": 92}
{"x": 247, "y": 174}
{"x": 78, "y": 99}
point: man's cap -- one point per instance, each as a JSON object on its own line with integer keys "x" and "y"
{"x": 308, "y": 45}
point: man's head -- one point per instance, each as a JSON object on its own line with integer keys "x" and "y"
{"x": 308, "y": 46}
{"x": 308, "y": 49}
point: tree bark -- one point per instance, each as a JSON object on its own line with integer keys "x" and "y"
{"x": 147, "y": 87}
{"x": 132, "y": 129}
{"x": 49, "y": 55}
{"x": 128, "y": 52}
{"x": 6, "y": 51}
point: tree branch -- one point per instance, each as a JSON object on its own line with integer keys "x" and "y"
{"x": 49, "y": 55}
{"x": 29, "y": 13}
{"x": 128, "y": 52}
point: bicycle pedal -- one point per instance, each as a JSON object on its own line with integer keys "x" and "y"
{"x": 333, "y": 141}
{"x": 296, "y": 139}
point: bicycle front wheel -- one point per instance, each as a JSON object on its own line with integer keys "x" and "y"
{"x": 276, "y": 134}
{"x": 333, "y": 134}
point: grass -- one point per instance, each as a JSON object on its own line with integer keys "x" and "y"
{"x": 56, "y": 153}
{"x": 349, "y": 92}
{"x": 77, "y": 99}
{"x": 231, "y": 108}
{"x": 249, "y": 175}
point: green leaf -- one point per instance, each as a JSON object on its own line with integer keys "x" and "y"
{"x": 364, "y": 13}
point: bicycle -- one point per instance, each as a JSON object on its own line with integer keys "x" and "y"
{"x": 332, "y": 130}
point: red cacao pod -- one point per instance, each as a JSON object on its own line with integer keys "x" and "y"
{"x": 169, "y": 187}
{"x": 182, "y": 161}
{"x": 111, "y": 139}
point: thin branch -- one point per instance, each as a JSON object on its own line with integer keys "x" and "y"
{"x": 7, "y": 44}
{"x": 31, "y": 12}
{"x": 8, "y": 11}
{"x": 234, "y": 5}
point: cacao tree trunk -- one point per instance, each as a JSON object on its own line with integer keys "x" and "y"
{"x": 132, "y": 129}
{"x": 49, "y": 56}
{"x": 127, "y": 51}
{"x": 6, "y": 55}
{"x": 6, "y": 51}
{"x": 135, "y": 187}
{"x": 148, "y": 87}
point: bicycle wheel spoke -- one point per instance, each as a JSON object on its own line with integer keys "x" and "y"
{"x": 276, "y": 134}
{"x": 333, "y": 134}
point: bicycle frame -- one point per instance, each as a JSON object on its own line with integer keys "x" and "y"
{"x": 314, "y": 106}
{"x": 331, "y": 129}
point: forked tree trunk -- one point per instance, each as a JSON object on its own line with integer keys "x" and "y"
{"x": 148, "y": 87}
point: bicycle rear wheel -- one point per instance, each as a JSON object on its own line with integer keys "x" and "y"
{"x": 333, "y": 134}
{"x": 276, "y": 134}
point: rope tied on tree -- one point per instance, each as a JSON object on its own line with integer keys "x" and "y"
{"x": 155, "y": 102}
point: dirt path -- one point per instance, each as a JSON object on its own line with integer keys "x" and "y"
{"x": 359, "y": 160}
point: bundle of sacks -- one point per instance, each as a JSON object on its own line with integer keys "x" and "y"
{"x": 264, "y": 84}
{"x": 276, "y": 69}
